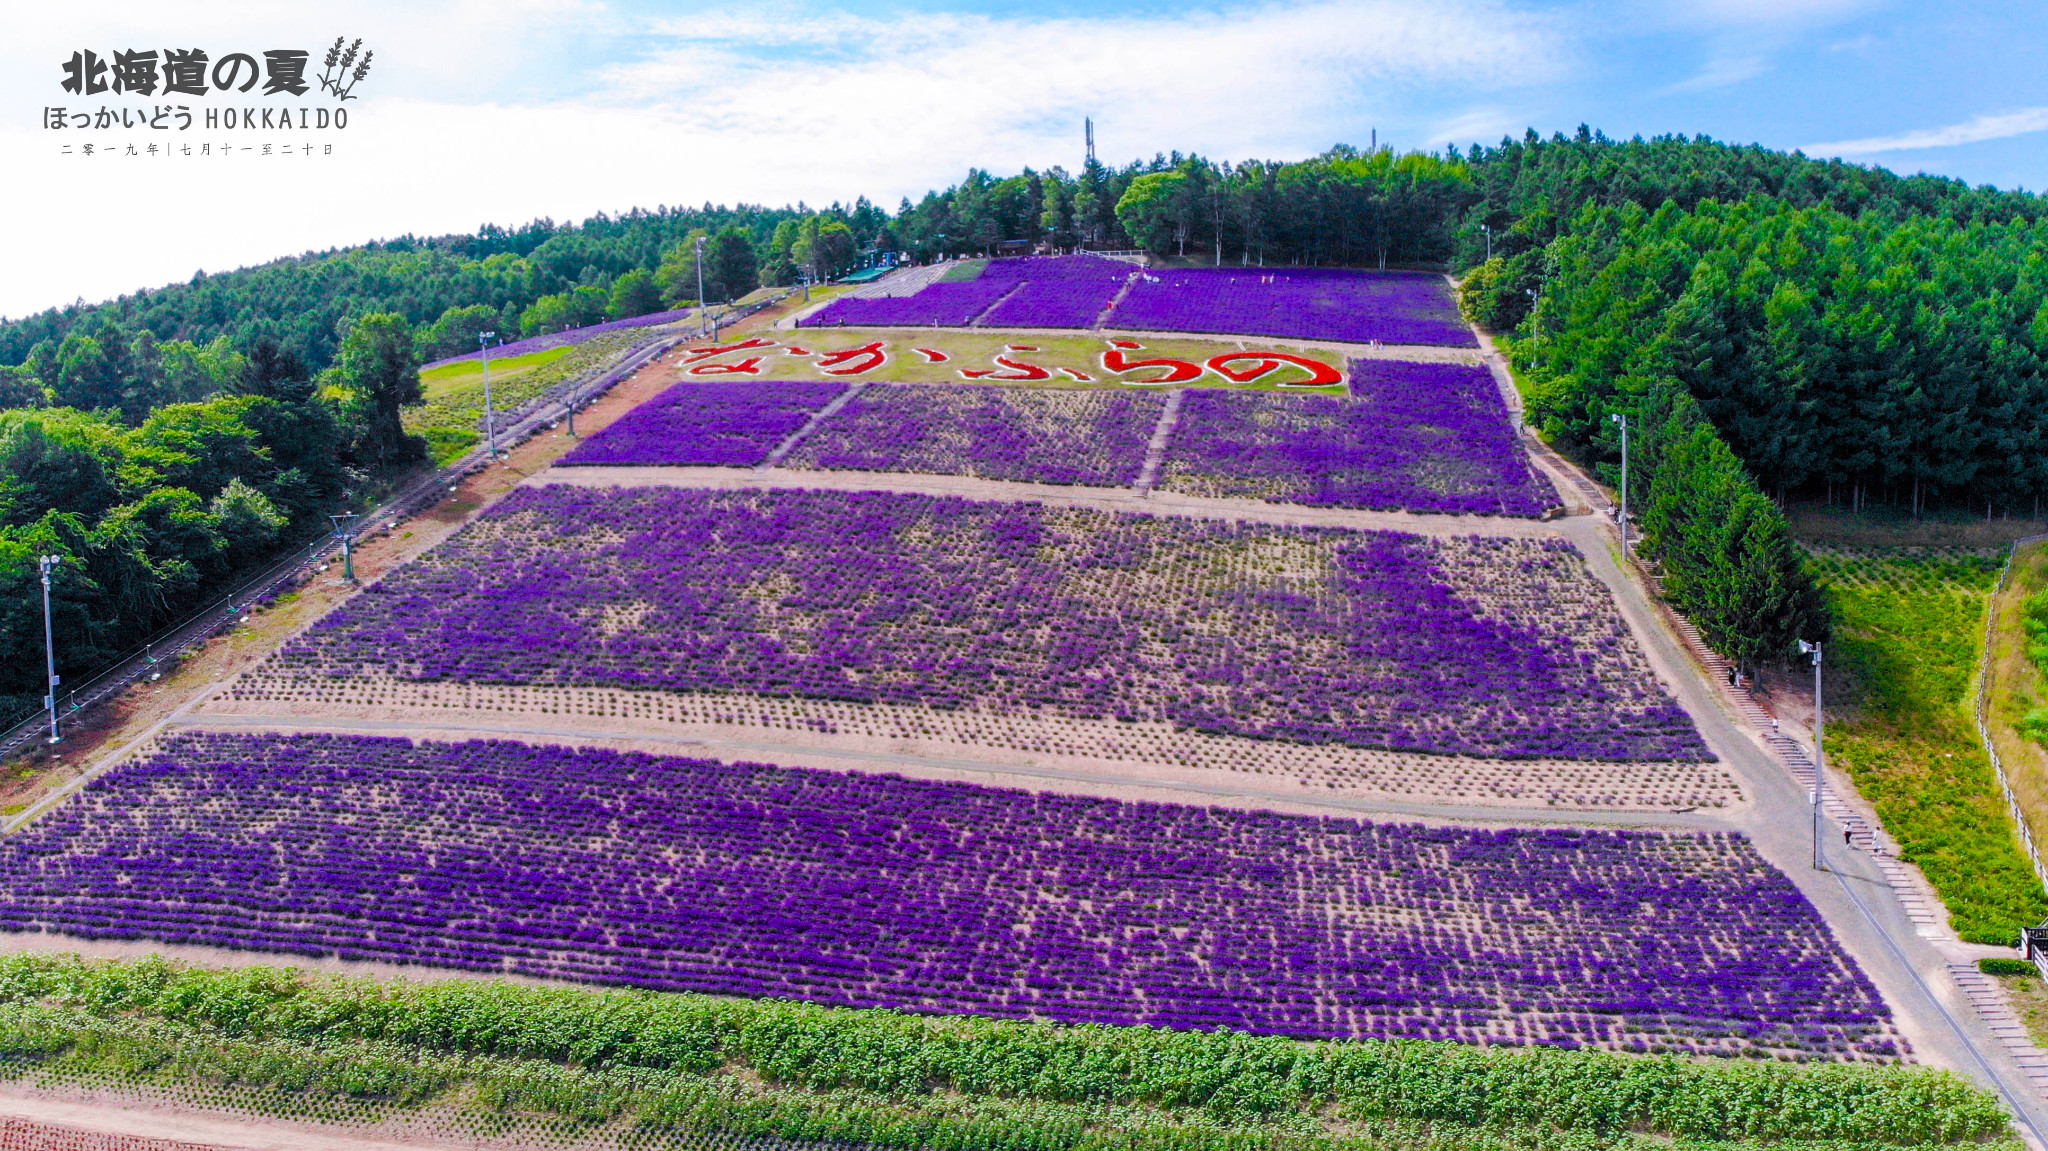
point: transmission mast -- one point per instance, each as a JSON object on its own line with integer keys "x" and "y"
{"x": 1088, "y": 126}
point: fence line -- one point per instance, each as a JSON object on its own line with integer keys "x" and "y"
{"x": 2012, "y": 803}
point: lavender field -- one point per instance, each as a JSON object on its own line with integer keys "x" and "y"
{"x": 1411, "y": 436}
{"x": 727, "y": 424}
{"x": 1039, "y": 435}
{"x": 1027, "y": 292}
{"x": 752, "y": 880}
{"x": 1298, "y": 303}
{"x": 1481, "y": 646}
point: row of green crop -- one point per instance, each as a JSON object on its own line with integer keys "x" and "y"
{"x": 888, "y": 1079}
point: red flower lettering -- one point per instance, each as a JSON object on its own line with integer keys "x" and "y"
{"x": 751, "y": 366}
{"x": 1320, "y": 374}
{"x": 693, "y": 355}
{"x": 1116, "y": 363}
{"x": 865, "y": 358}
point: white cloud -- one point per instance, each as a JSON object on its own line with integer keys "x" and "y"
{"x": 738, "y": 104}
{"x": 1980, "y": 128}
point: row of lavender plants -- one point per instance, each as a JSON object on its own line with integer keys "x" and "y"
{"x": 1031, "y": 292}
{"x": 1413, "y": 437}
{"x": 752, "y": 880}
{"x": 1041, "y": 435}
{"x": 1421, "y": 437}
{"x": 722, "y": 424}
{"x": 1078, "y": 291}
{"x": 1296, "y": 303}
{"x": 1310, "y": 635}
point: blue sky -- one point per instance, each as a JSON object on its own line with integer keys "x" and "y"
{"x": 513, "y": 109}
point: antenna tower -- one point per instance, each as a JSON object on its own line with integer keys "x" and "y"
{"x": 1088, "y": 126}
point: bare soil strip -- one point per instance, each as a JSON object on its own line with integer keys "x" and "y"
{"x": 1141, "y": 753}
{"x": 765, "y": 747}
{"x": 68, "y": 1119}
{"x": 1058, "y": 495}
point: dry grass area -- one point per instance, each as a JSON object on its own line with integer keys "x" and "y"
{"x": 2015, "y": 686}
{"x": 1149, "y": 752}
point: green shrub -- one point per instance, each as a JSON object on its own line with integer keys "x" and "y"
{"x": 587, "y": 1055}
{"x": 2001, "y": 965}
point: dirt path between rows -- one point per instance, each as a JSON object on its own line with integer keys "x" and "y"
{"x": 1068, "y": 775}
{"x": 1057, "y": 495}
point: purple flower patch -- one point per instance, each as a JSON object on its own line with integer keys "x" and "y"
{"x": 1042, "y": 435}
{"x": 877, "y": 891}
{"x": 1413, "y": 437}
{"x": 1481, "y": 646}
{"x": 726, "y": 424}
{"x": 1297, "y": 303}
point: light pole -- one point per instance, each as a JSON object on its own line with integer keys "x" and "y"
{"x": 348, "y": 555}
{"x": 49, "y": 564}
{"x": 1488, "y": 229}
{"x": 700, "y": 287}
{"x": 1622, "y": 515}
{"x": 1534, "y": 331}
{"x": 490, "y": 415}
{"x": 1820, "y": 755}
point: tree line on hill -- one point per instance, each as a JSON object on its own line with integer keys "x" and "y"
{"x": 1772, "y": 324}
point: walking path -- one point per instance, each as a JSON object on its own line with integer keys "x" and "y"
{"x": 1130, "y": 499}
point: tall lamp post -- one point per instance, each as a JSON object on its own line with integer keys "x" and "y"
{"x": 700, "y": 287}
{"x": 1488, "y": 229}
{"x": 348, "y": 555}
{"x": 490, "y": 414}
{"x": 1622, "y": 515}
{"x": 1820, "y": 755}
{"x": 49, "y": 564}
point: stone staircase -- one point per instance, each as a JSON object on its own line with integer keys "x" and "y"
{"x": 1991, "y": 1005}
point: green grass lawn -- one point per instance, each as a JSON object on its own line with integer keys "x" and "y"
{"x": 464, "y": 374}
{"x": 454, "y": 406}
{"x": 1909, "y": 625}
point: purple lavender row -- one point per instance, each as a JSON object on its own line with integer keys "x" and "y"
{"x": 1414, "y": 437}
{"x": 943, "y": 304}
{"x": 1049, "y": 292}
{"x": 1356, "y": 638}
{"x": 1297, "y": 303}
{"x": 724, "y": 424}
{"x": 879, "y": 891}
{"x": 572, "y": 336}
{"x": 1039, "y": 435}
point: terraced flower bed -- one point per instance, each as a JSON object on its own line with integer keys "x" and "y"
{"x": 1415, "y": 437}
{"x": 730, "y": 424}
{"x": 1295, "y": 303}
{"x": 1481, "y": 646}
{"x": 861, "y": 890}
{"x": 1054, "y": 436}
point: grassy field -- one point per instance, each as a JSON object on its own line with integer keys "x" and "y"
{"x": 974, "y": 349}
{"x": 569, "y": 1064}
{"x": 465, "y": 374}
{"x": 1909, "y": 625}
{"x": 454, "y": 407}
